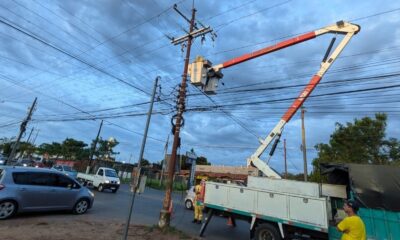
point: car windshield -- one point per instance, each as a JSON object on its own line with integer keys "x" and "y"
{"x": 111, "y": 173}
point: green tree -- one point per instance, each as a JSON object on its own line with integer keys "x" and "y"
{"x": 362, "y": 141}
{"x": 105, "y": 148}
{"x": 74, "y": 149}
{"x": 6, "y": 148}
{"x": 202, "y": 161}
{"x": 52, "y": 149}
{"x": 26, "y": 148}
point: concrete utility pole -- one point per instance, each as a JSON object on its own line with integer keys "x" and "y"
{"x": 22, "y": 130}
{"x": 165, "y": 160}
{"x": 137, "y": 179}
{"x": 93, "y": 149}
{"x": 30, "y": 134}
{"x": 34, "y": 139}
{"x": 303, "y": 144}
{"x": 165, "y": 213}
{"x": 284, "y": 156}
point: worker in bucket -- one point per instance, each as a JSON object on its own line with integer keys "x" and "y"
{"x": 199, "y": 201}
{"x": 352, "y": 226}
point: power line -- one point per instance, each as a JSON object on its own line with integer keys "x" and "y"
{"x": 19, "y": 29}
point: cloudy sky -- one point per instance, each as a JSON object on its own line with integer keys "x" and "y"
{"x": 93, "y": 60}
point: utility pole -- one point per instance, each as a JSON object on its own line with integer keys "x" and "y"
{"x": 284, "y": 156}
{"x": 137, "y": 179}
{"x": 303, "y": 143}
{"x": 27, "y": 141}
{"x": 165, "y": 214}
{"x": 165, "y": 160}
{"x": 34, "y": 139}
{"x": 22, "y": 130}
{"x": 93, "y": 149}
{"x": 30, "y": 134}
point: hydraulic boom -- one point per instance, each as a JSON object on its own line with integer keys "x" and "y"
{"x": 206, "y": 76}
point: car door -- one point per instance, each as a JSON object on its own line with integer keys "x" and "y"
{"x": 34, "y": 190}
{"x": 98, "y": 178}
{"x": 67, "y": 191}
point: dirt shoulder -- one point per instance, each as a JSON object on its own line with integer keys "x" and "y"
{"x": 65, "y": 229}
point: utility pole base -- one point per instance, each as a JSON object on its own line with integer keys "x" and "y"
{"x": 165, "y": 218}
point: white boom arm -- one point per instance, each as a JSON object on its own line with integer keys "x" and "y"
{"x": 202, "y": 74}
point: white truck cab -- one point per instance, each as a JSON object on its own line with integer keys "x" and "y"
{"x": 105, "y": 178}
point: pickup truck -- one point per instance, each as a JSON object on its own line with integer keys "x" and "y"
{"x": 105, "y": 178}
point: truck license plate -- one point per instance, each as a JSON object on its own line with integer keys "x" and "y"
{"x": 112, "y": 188}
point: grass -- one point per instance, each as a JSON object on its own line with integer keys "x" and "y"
{"x": 154, "y": 183}
{"x": 170, "y": 230}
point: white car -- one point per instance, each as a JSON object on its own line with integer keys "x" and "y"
{"x": 189, "y": 199}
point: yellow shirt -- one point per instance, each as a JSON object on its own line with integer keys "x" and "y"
{"x": 353, "y": 228}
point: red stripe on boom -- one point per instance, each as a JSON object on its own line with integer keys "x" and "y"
{"x": 269, "y": 49}
{"x": 303, "y": 96}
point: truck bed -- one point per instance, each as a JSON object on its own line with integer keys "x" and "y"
{"x": 288, "y": 202}
{"x": 89, "y": 177}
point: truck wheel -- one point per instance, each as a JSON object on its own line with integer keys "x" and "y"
{"x": 267, "y": 231}
{"x": 114, "y": 191}
{"x": 100, "y": 188}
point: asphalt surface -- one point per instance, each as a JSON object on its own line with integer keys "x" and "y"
{"x": 147, "y": 208}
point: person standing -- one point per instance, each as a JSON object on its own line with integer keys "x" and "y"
{"x": 352, "y": 226}
{"x": 199, "y": 202}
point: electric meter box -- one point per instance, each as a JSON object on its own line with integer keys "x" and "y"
{"x": 198, "y": 71}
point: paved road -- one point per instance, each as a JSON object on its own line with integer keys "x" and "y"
{"x": 147, "y": 209}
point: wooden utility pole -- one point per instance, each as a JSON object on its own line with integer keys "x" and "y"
{"x": 22, "y": 130}
{"x": 93, "y": 149}
{"x": 303, "y": 144}
{"x": 165, "y": 214}
{"x": 284, "y": 156}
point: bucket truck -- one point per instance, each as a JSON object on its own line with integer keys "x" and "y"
{"x": 276, "y": 208}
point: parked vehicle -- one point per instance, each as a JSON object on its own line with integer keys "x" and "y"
{"x": 67, "y": 170}
{"x": 189, "y": 199}
{"x": 25, "y": 163}
{"x": 105, "y": 178}
{"x": 3, "y": 159}
{"x": 27, "y": 189}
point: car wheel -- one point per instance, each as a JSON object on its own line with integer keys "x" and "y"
{"x": 267, "y": 231}
{"x": 81, "y": 206}
{"x": 188, "y": 204}
{"x": 100, "y": 188}
{"x": 7, "y": 209}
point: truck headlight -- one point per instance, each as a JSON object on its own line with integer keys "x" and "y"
{"x": 118, "y": 182}
{"x": 107, "y": 181}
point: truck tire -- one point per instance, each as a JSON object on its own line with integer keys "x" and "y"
{"x": 266, "y": 231}
{"x": 114, "y": 191}
{"x": 100, "y": 188}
